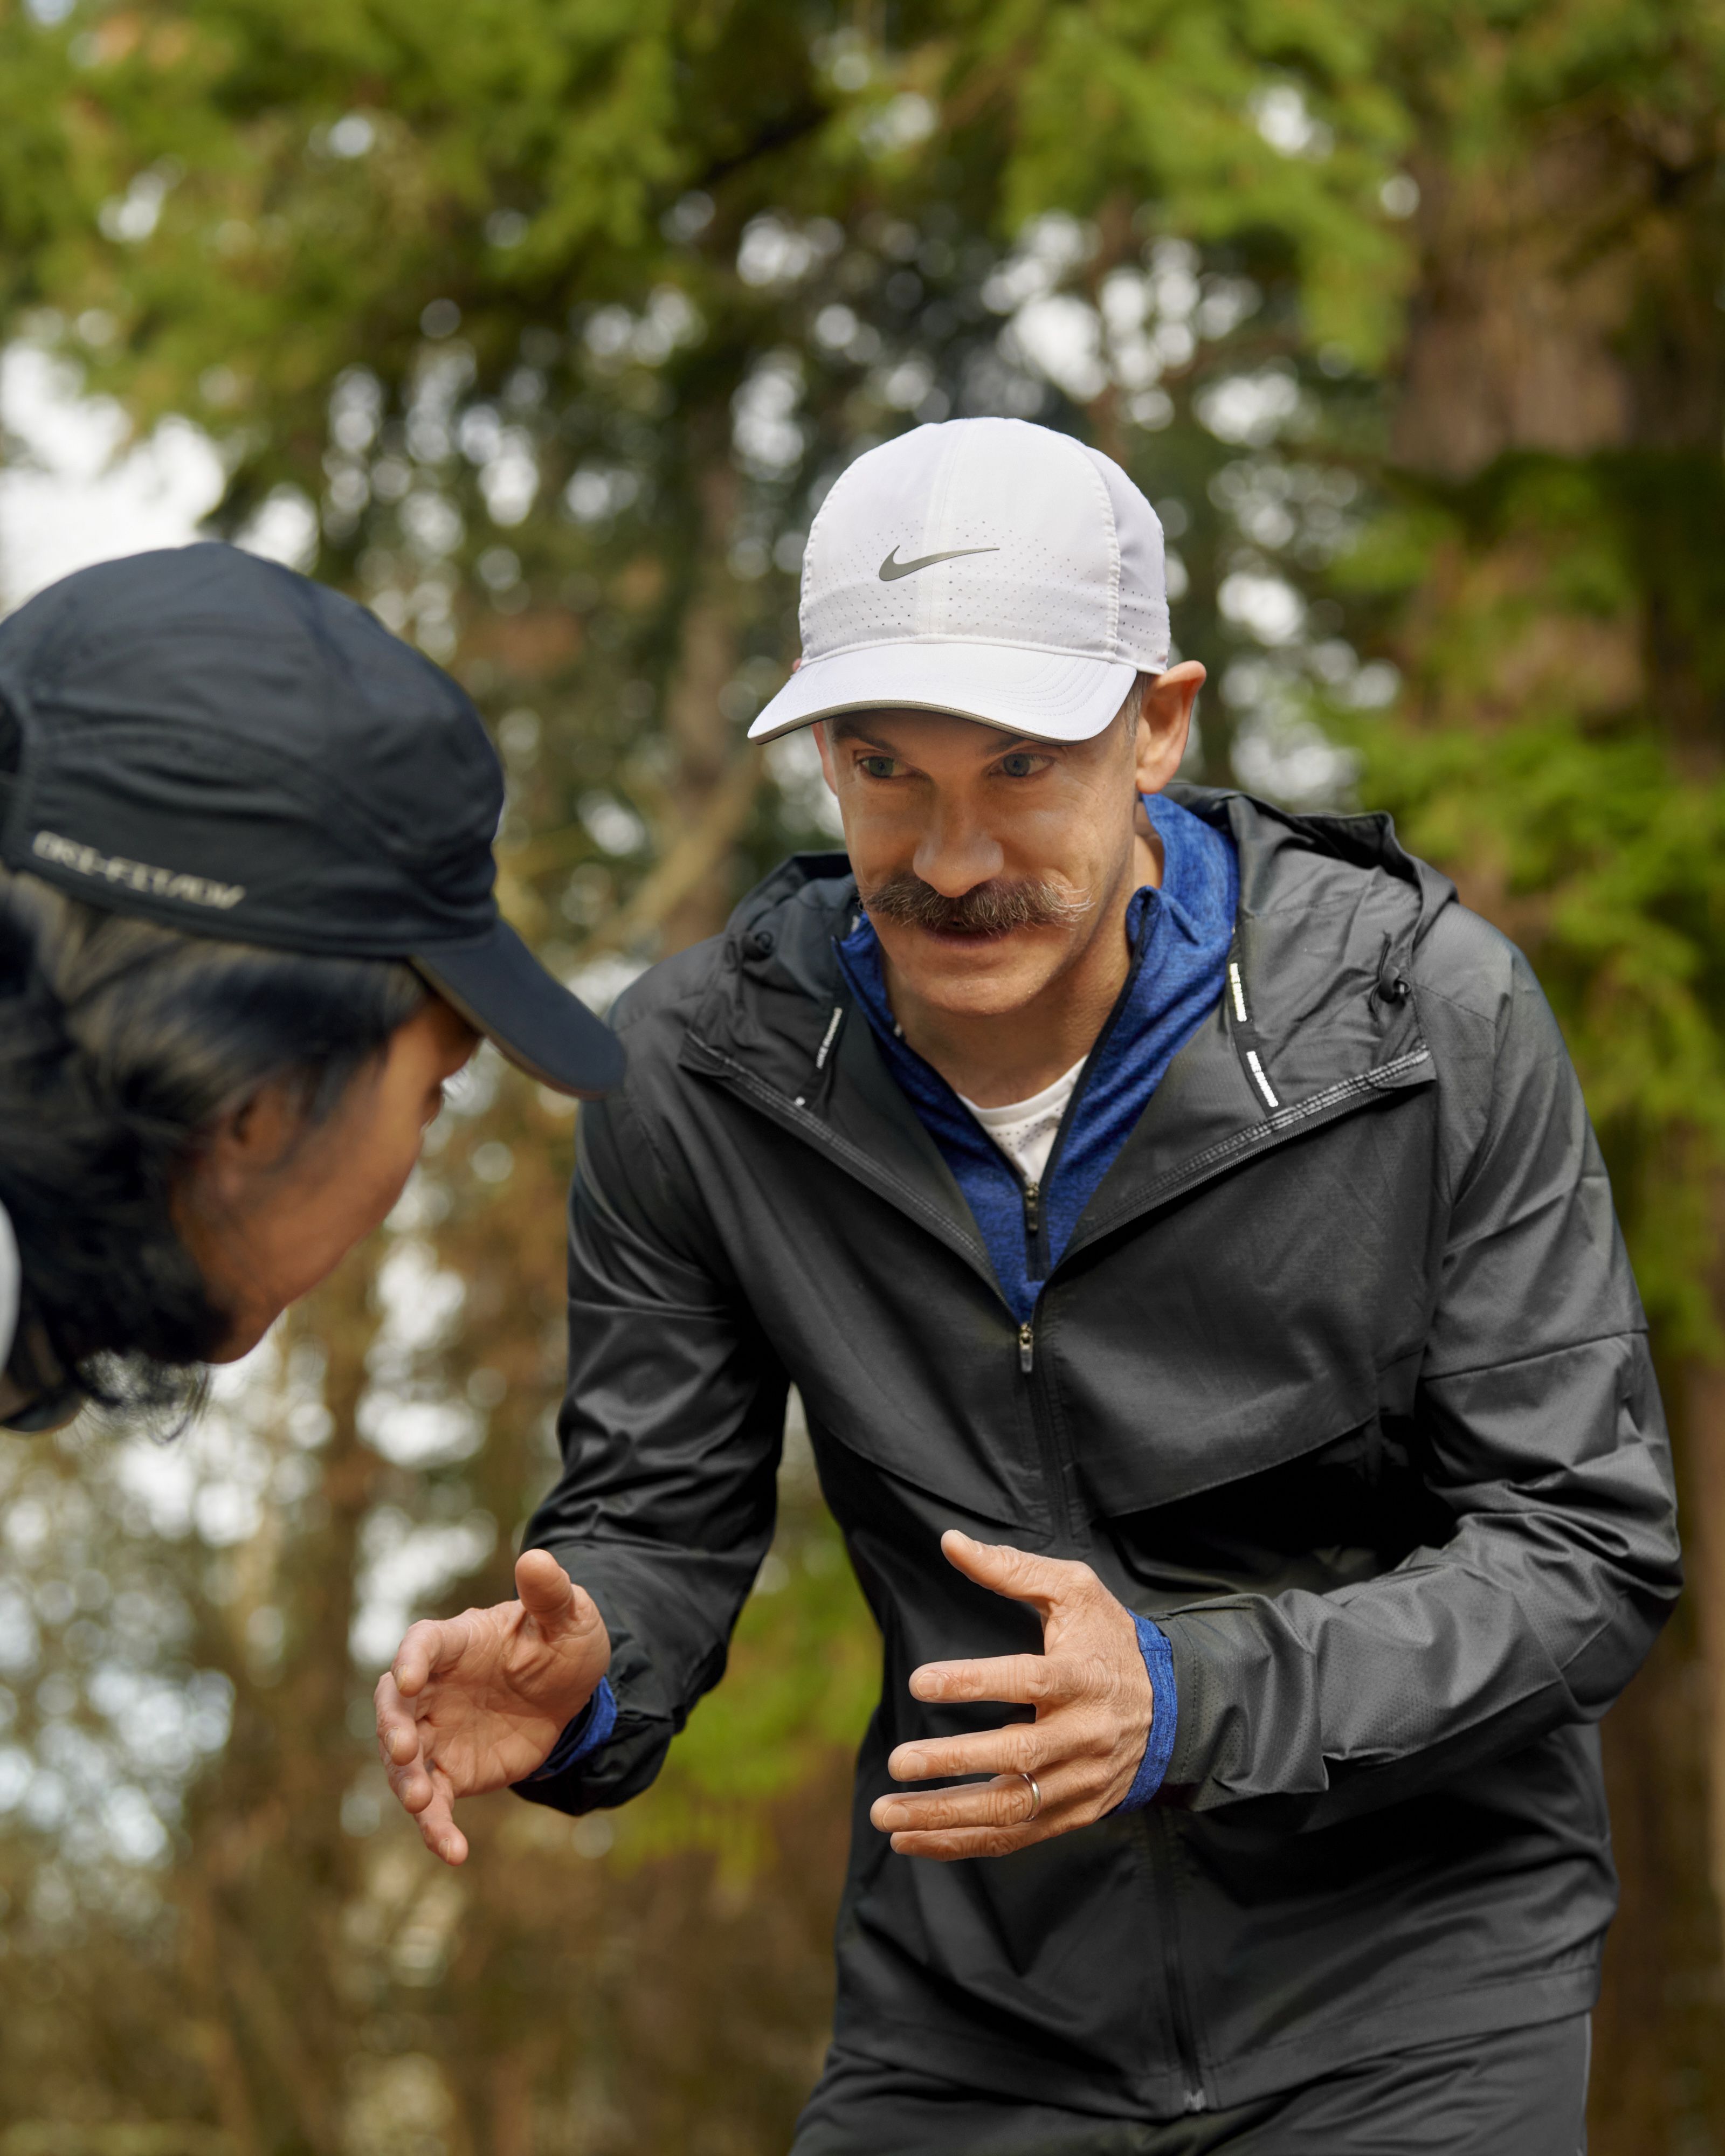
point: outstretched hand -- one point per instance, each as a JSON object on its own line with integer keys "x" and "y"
{"x": 1093, "y": 1701}
{"x": 474, "y": 1702}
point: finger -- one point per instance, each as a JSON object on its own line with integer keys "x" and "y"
{"x": 960, "y": 1843}
{"x": 1019, "y": 1574}
{"x": 431, "y": 1645}
{"x": 439, "y": 1831}
{"x": 410, "y": 1781}
{"x": 1020, "y": 1680}
{"x": 546, "y": 1592}
{"x": 398, "y": 1732}
{"x": 402, "y": 1747}
{"x": 413, "y": 1786}
{"x": 1021, "y": 1747}
{"x": 1007, "y": 1801}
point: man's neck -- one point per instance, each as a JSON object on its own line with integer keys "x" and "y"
{"x": 1014, "y": 1054}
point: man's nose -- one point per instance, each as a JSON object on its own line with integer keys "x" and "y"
{"x": 957, "y": 852}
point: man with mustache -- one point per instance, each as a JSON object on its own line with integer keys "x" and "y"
{"x": 1181, "y": 1221}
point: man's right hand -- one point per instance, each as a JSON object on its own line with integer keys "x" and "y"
{"x": 474, "y": 1702}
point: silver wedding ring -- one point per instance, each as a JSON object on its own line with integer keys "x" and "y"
{"x": 1034, "y": 1787}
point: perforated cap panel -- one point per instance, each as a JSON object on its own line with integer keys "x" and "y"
{"x": 989, "y": 532}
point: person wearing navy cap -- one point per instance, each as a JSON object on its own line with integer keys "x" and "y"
{"x": 247, "y": 931}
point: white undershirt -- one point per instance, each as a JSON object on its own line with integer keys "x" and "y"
{"x": 1025, "y": 1130}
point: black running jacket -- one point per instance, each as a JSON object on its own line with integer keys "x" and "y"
{"x": 1351, "y": 1394}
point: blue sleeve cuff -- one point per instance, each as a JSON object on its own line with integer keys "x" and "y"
{"x": 586, "y": 1734}
{"x": 1159, "y": 1662}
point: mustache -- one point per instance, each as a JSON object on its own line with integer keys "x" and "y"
{"x": 994, "y": 908}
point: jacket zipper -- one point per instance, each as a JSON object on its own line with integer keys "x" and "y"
{"x": 1036, "y": 1254}
{"x": 1055, "y": 1467}
{"x": 1157, "y": 1832}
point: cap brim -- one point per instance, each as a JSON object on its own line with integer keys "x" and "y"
{"x": 498, "y": 985}
{"x": 1052, "y": 696}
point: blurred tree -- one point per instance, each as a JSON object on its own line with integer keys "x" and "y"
{"x": 1547, "y": 580}
{"x": 545, "y": 329}
{"x": 37, "y": 144}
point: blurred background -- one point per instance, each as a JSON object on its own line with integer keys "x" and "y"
{"x": 542, "y": 325}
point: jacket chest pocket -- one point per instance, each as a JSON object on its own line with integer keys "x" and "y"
{"x": 1346, "y": 1510}
{"x": 1269, "y": 1314}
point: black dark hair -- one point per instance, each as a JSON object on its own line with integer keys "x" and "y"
{"x": 122, "y": 1043}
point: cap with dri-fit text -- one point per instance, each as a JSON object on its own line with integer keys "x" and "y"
{"x": 214, "y": 742}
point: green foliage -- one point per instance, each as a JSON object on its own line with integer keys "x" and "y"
{"x": 1153, "y": 100}
{"x": 1560, "y": 754}
{"x": 44, "y": 169}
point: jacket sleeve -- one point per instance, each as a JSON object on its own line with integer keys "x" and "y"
{"x": 670, "y": 1433}
{"x": 1539, "y": 1427}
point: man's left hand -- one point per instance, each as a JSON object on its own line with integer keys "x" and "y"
{"x": 1093, "y": 1701}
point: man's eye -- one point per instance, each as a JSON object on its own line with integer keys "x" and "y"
{"x": 1021, "y": 764}
{"x": 877, "y": 767}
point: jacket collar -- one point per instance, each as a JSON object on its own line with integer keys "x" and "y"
{"x": 1316, "y": 1020}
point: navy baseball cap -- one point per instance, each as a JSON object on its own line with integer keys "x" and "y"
{"x": 214, "y": 742}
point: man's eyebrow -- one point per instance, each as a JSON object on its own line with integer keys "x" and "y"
{"x": 848, "y": 726}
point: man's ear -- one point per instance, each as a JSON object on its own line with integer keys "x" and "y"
{"x": 1165, "y": 722}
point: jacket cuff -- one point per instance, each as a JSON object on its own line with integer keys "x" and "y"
{"x": 586, "y": 1734}
{"x": 1158, "y": 1654}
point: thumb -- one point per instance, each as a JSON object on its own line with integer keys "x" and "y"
{"x": 546, "y": 1592}
{"x": 1004, "y": 1570}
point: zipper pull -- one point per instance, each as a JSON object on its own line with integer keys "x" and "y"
{"x": 1027, "y": 1347}
{"x": 1033, "y": 1192}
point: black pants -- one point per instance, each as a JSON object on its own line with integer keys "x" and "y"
{"x": 1515, "y": 2092}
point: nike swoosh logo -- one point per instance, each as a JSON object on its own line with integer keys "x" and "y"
{"x": 891, "y": 569}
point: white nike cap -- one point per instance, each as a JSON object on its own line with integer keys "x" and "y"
{"x": 988, "y": 568}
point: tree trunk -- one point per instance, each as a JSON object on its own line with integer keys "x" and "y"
{"x": 1563, "y": 301}
{"x": 1703, "y": 1413}
{"x": 270, "y": 1870}
{"x": 712, "y": 794}
{"x": 1529, "y": 334}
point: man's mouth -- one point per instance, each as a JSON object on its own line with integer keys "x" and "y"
{"x": 962, "y": 939}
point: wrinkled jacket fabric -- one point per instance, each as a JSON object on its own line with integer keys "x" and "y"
{"x": 1342, "y": 1378}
